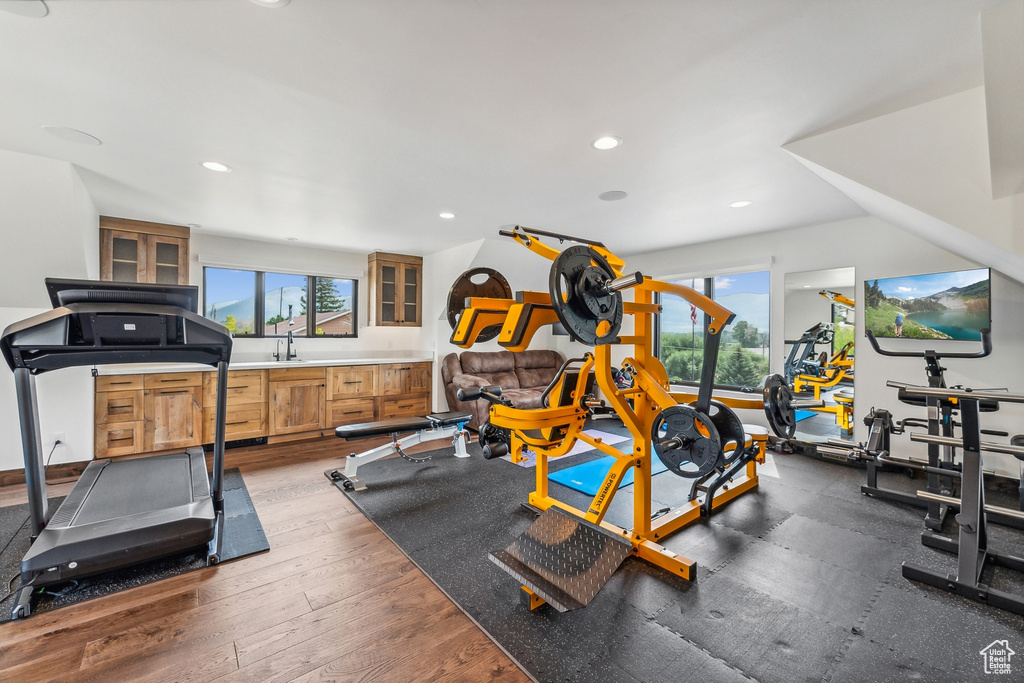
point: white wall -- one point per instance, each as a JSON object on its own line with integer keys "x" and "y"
{"x": 805, "y": 307}
{"x": 877, "y": 250}
{"x": 51, "y": 229}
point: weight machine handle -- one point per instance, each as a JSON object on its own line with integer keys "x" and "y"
{"x": 491, "y": 394}
{"x": 986, "y": 348}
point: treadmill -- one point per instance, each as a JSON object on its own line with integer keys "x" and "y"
{"x": 120, "y": 512}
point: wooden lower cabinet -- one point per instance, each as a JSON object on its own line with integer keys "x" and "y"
{"x": 170, "y": 411}
{"x": 407, "y": 406}
{"x": 242, "y": 422}
{"x": 350, "y": 411}
{"x": 174, "y": 418}
{"x": 297, "y": 405}
{"x": 119, "y": 438}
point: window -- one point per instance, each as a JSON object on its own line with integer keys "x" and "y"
{"x": 228, "y": 298}
{"x": 232, "y": 298}
{"x": 743, "y": 350}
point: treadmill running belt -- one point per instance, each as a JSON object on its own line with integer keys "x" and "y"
{"x": 130, "y": 487}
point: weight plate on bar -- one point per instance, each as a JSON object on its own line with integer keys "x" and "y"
{"x": 576, "y": 284}
{"x": 730, "y": 430}
{"x": 470, "y": 284}
{"x": 778, "y": 408}
{"x": 687, "y": 441}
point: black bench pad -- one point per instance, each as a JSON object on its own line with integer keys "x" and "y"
{"x": 395, "y": 425}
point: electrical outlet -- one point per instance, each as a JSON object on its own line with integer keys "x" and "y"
{"x": 58, "y": 436}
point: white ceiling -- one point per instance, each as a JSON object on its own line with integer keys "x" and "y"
{"x": 352, "y": 123}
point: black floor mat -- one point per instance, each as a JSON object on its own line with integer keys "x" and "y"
{"x": 243, "y": 535}
{"x": 798, "y": 580}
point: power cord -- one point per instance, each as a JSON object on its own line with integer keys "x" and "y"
{"x": 11, "y": 591}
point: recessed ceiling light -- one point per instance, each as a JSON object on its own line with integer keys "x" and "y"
{"x": 36, "y": 9}
{"x": 273, "y": 4}
{"x": 607, "y": 142}
{"x": 807, "y": 286}
{"x": 72, "y": 135}
{"x": 446, "y": 214}
{"x": 292, "y": 239}
{"x": 217, "y": 166}
{"x": 612, "y": 195}
{"x": 741, "y": 204}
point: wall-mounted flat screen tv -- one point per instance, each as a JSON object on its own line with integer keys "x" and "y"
{"x": 954, "y": 305}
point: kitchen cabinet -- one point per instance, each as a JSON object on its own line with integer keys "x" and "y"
{"x": 297, "y": 400}
{"x": 247, "y": 412}
{"x": 396, "y": 289}
{"x": 139, "y": 251}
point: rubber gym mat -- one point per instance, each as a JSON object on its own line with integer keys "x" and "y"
{"x": 243, "y": 535}
{"x": 783, "y": 607}
{"x": 587, "y": 477}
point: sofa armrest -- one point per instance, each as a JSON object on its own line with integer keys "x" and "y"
{"x": 465, "y": 381}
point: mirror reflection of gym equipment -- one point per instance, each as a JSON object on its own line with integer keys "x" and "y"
{"x": 819, "y": 350}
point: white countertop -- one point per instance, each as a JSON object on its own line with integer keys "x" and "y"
{"x": 146, "y": 368}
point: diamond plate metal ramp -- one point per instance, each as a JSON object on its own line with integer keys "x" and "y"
{"x": 563, "y": 559}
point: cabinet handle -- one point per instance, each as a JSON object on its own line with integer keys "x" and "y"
{"x": 119, "y": 383}
{"x": 355, "y": 381}
{"x": 180, "y": 379}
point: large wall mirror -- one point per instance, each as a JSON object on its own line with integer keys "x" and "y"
{"x": 819, "y": 352}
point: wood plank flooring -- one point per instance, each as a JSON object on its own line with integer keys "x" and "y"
{"x": 333, "y": 600}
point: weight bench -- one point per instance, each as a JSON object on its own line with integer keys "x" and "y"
{"x": 429, "y": 428}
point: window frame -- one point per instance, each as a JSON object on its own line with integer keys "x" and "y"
{"x": 709, "y": 291}
{"x": 259, "y": 298}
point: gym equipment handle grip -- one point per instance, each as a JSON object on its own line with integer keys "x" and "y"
{"x": 986, "y": 348}
{"x": 477, "y": 392}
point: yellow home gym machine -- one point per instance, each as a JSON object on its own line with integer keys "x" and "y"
{"x": 568, "y": 554}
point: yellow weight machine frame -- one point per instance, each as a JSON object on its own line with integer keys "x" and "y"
{"x": 551, "y": 432}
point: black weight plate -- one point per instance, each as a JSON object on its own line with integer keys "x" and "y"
{"x": 697, "y": 447}
{"x": 730, "y": 429}
{"x": 574, "y": 285}
{"x": 778, "y": 398}
{"x": 494, "y": 287}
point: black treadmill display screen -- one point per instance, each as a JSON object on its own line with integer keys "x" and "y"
{"x": 63, "y": 292}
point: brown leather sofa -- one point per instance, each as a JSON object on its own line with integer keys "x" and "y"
{"x": 522, "y": 377}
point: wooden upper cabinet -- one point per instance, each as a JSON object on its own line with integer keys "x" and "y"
{"x": 138, "y": 251}
{"x": 396, "y": 289}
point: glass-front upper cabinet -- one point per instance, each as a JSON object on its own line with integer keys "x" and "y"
{"x": 396, "y": 292}
{"x": 138, "y": 251}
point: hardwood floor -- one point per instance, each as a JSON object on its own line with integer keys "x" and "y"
{"x": 333, "y": 600}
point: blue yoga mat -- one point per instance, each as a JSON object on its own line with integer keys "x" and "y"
{"x": 588, "y": 477}
{"x": 804, "y": 414}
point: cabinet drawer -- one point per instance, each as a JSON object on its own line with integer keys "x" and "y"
{"x": 277, "y": 375}
{"x": 351, "y": 381}
{"x": 119, "y": 406}
{"x": 118, "y": 382}
{"x": 173, "y": 380}
{"x": 244, "y": 386}
{"x": 404, "y": 407}
{"x": 120, "y": 438}
{"x": 242, "y": 422}
{"x": 349, "y": 411}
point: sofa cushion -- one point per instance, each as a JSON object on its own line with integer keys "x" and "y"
{"x": 497, "y": 367}
{"x": 537, "y": 368}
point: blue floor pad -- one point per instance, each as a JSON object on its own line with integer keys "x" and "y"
{"x": 804, "y": 414}
{"x": 588, "y": 477}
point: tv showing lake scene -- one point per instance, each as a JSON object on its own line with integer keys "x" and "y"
{"x": 952, "y": 305}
